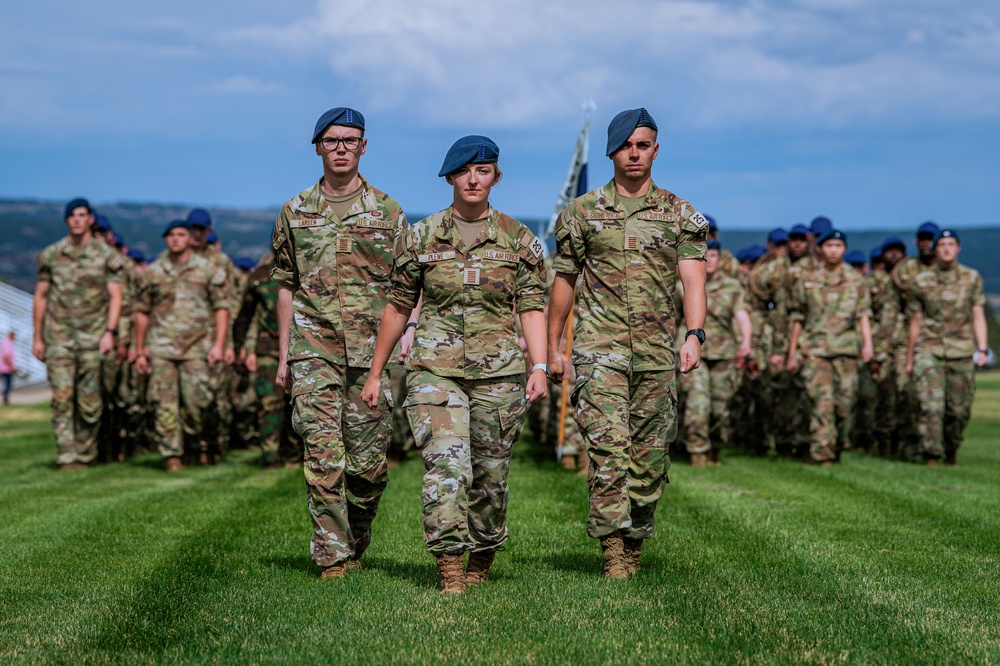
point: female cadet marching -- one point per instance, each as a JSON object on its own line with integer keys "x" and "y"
{"x": 467, "y": 394}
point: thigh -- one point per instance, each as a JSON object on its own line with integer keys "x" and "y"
{"x": 496, "y": 415}
{"x": 653, "y": 409}
{"x": 437, "y": 408}
{"x": 195, "y": 384}
{"x": 601, "y": 403}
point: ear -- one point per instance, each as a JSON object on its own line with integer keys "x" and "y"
{"x": 364, "y": 147}
{"x": 656, "y": 149}
{"x": 316, "y": 146}
{"x": 498, "y": 176}
{"x": 450, "y": 180}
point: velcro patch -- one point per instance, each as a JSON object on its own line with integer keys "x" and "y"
{"x": 366, "y": 223}
{"x": 500, "y": 256}
{"x": 658, "y": 217}
{"x": 699, "y": 220}
{"x": 537, "y": 248}
{"x": 631, "y": 242}
{"x": 344, "y": 244}
{"x": 300, "y": 224}
{"x": 604, "y": 215}
{"x": 470, "y": 276}
{"x": 436, "y": 256}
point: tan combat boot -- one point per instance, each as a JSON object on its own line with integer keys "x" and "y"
{"x": 338, "y": 570}
{"x": 633, "y": 550}
{"x": 699, "y": 460}
{"x": 452, "y": 575}
{"x": 174, "y": 464}
{"x": 614, "y": 557}
{"x": 479, "y": 566}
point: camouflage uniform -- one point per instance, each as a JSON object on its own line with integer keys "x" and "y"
{"x": 242, "y": 390}
{"x": 626, "y": 395}
{"x": 180, "y": 301}
{"x": 338, "y": 270}
{"x": 830, "y": 303}
{"x": 466, "y": 400}
{"x": 75, "y": 320}
{"x": 876, "y": 395}
{"x": 710, "y": 388}
{"x": 116, "y": 378}
{"x": 221, "y": 376}
{"x": 256, "y": 329}
{"x": 943, "y": 369}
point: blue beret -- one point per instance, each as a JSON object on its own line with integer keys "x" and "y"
{"x": 135, "y": 254}
{"x": 741, "y": 254}
{"x": 473, "y": 149}
{"x": 624, "y": 124}
{"x": 101, "y": 222}
{"x": 832, "y": 234}
{"x": 176, "y": 224}
{"x": 77, "y": 203}
{"x": 244, "y": 263}
{"x": 876, "y": 253}
{"x": 119, "y": 239}
{"x": 820, "y": 225}
{"x": 211, "y": 238}
{"x": 712, "y": 224}
{"x": 713, "y": 245}
{"x": 756, "y": 252}
{"x": 928, "y": 228}
{"x": 946, "y": 233}
{"x": 199, "y": 217}
{"x": 893, "y": 241}
{"x": 855, "y": 258}
{"x": 340, "y": 115}
{"x": 778, "y": 235}
{"x": 798, "y": 230}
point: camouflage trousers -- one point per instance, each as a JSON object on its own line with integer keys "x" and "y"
{"x": 243, "y": 399}
{"x": 278, "y": 440}
{"x": 180, "y": 396}
{"x": 111, "y": 444}
{"x": 219, "y": 417}
{"x": 790, "y": 415}
{"x": 543, "y": 419}
{"x": 628, "y": 421}
{"x": 402, "y": 436}
{"x": 709, "y": 390}
{"x": 466, "y": 430}
{"x": 136, "y": 420}
{"x": 865, "y": 410}
{"x": 906, "y": 431}
{"x": 945, "y": 390}
{"x": 345, "y": 455}
{"x": 77, "y": 408}
{"x": 883, "y": 419}
{"x": 832, "y": 387}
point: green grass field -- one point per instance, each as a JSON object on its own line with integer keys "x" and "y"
{"x": 758, "y": 561}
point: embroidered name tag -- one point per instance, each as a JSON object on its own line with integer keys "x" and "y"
{"x": 470, "y": 276}
{"x": 631, "y": 242}
{"x": 343, "y": 244}
{"x": 366, "y": 223}
{"x": 435, "y": 256}
{"x": 500, "y": 256}
{"x": 301, "y": 224}
{"x": 658, "y": 217}
{"x": 603, "y": 215}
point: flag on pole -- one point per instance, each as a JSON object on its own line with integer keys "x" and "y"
{"x": 576, "y": 178}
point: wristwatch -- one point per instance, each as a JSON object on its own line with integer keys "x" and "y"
{"x": 112, "y": 331}
{"x": 696, "y": 332}
{"x": 540, "y": 366}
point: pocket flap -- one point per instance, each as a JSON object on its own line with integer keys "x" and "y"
{"x": 427, "y": 395}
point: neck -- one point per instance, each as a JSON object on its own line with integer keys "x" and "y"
{"x": 179, "y": 257}
{"x": 927, "y": 259}
{"x": 80, "y": 239}
{"x": 633, "y": 188}
{"x": 470, "y": 211}
{"x": 339, "y": 185}
{"x": 832, "y": 265}
{"x": 947, "y": 266}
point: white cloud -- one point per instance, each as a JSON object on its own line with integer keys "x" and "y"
{"x": 245, "y": 85}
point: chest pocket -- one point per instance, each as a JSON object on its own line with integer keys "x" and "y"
{"x": 499, "y": 270}
{"x": 604, "y": 232}
{"x": 655, "y": 231}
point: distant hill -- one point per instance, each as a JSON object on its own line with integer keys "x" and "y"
{"x": 27, "y": 226}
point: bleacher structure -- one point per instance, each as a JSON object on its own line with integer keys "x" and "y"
{"x": 15, "y": 313}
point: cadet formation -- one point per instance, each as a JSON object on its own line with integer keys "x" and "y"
{"x": 361, "y": 336}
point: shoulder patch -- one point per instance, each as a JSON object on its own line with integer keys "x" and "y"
{"x": 537, "y": 248}
{"x": 699, "y": 220}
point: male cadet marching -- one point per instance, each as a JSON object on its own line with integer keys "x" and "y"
{"x": 219, "y": 417}
{"x": 886, "y": 322}
{"x": 181, "y": 320}
{"x": 78, "y": 300}
{"x": 629, "y": 240}
{"x": 829, "y": 305}
{"x": 333, "y": 251}
{"x": 947, "y": 337}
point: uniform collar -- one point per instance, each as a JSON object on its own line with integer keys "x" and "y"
{"x": 315, "y": 203}
{"x": 607, "y": 197}
{"x": 447, "y": 231}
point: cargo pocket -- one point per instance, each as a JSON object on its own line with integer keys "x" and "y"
{"x": 511, "y": 421}
{"x": 426, "y": 410}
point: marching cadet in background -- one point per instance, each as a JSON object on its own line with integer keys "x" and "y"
{"x": 623, "y": 246}
{"x": 710, "y": 387}
{"x": 242, "y": 392}
{"x": 333, "y": 250}
{"x": 475, "y": 268}
{"x": 77, "y": 306}
{"x": 256, "y": 331}
{"x": 947, "y": 338}
{"x": 219, "y": 418}
{"x": 829, "y": 306}
{"x": 181, "y": 320}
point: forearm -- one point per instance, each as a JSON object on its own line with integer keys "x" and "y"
{"x": 115, "y": 306}
{"x": 394, "y": 320}
{"x": 560, "y": 303}
{"x": 533, "y": 325}
{"x": 912, "y": 334}
{"x": 692, "y": 273}
{"x": 793, "y": 339}
{"x": 284, "y": 321}
{"x": 866, "y": 332}
{"x": 141, "y": 326}
{"x": 979, "y": 328}
{"x": 39, "y": 306}
{"x": 221, "y": 327}
{"x": 745, "y": 327}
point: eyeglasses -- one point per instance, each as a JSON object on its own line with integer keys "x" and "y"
{"x": 350, "y": 143}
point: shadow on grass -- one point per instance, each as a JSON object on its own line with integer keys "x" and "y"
{"x": 298, "y": 563}
{"x": 420, "y": 575}
{"x": 575, "y": 563}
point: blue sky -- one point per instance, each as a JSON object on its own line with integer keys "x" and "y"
{"x": 881, "y": 113}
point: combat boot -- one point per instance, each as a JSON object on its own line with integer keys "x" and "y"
{"x": 452, "y": 575}
{"x": 174, "y": 464}
{"x": 479, "y": 566}
{"x": 633, "y": 550}
{"x": 614, "y": 557}
{"x": 71, "y": 467}
{"x": 568, "y": 462}
{"x": 338, "y": 570}
{"x": 699, "y": 460}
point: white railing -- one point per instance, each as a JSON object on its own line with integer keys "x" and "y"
{"x": 15, "y": 314}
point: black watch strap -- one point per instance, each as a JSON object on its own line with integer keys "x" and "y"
{"x": 696, "y": 332}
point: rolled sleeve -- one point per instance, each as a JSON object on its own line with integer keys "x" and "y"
{"x": 407, "y": 273}
{"x": 570, "y": 246}
{"x": 284, "y": 272}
